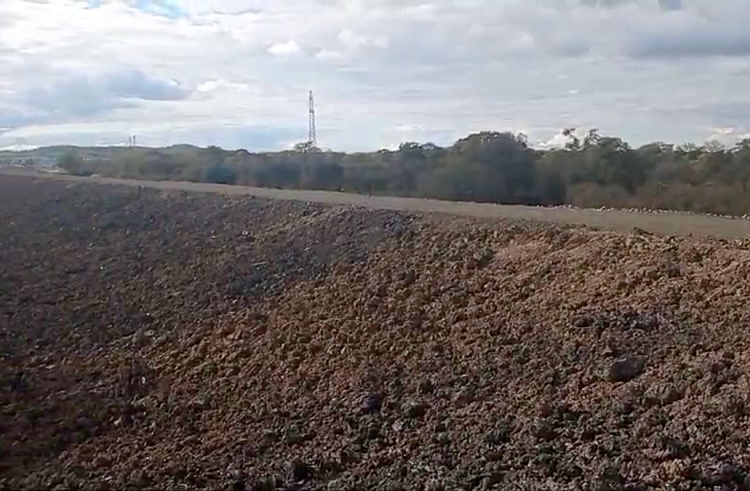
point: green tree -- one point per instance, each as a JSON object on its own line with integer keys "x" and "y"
{"x": 73, "y": 163}
{"x": 220, "y": 174}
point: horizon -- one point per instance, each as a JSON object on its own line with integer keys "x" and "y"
{"x": 236, "y": 73}
{"x": 556, "y": 142}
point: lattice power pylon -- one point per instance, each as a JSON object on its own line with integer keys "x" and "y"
{"x": 312, "y": 137}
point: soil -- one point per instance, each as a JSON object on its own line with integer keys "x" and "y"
{"x": 158, "y": 339}
{"x": 662, "y": 222}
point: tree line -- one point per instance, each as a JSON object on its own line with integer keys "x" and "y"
{"x": 588, "y": 171}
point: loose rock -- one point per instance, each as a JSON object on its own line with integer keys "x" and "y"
{"x": 626, "y": 369}
{"x": 414, "y": 410}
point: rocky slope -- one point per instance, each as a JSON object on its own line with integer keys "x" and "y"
{"x": 175, "y": 341}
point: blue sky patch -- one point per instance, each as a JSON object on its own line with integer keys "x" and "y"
{"x": 166, "y": 8}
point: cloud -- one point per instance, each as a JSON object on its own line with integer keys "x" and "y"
{"x": 694, "y": 33}
{"x": 238, "y": 71}
{"x": 694, "y": 44}
{"x": 137, "y": 85}
{"x": 83, "y": 95}
{"x": 10, "y": 119}
{"x": 671, "y": 4}
{"x": 284, "y": 49}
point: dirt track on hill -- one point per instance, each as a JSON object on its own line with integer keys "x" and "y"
{"x": 170, "y": 340}
{"x": 664, "y": 223}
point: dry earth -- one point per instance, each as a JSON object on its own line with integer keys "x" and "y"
{"x": 656, "y": 221}
{"x": 155, "y": 339}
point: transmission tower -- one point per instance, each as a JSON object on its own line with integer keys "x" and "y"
{"x": 312, "y": 138}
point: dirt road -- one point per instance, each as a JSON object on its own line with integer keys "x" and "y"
{"x": 667, "y": 223}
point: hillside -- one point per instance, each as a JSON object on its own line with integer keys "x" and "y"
{"x": 107, "y": 154}
{"x": 161, "y": 339}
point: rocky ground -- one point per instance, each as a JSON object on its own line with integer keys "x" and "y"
{"x": 164, "y": 340}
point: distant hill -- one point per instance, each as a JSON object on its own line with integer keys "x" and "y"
{"x": 91, "y": 152}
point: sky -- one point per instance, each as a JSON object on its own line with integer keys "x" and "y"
{"x": 236, "y": 73}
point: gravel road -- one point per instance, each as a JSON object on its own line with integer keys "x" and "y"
{"x": 663, "y": 223}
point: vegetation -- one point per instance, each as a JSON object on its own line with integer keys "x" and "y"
{"x": 595, "y": 170}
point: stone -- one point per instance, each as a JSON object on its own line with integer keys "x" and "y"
{"x": 626, "y": 369}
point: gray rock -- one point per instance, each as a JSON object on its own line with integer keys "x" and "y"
{"x": 414, "y": 409}
{"x": 372, "y": 403}
{"x": 626, "y": 369}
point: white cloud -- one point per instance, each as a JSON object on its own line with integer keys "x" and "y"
{"x": 330, "y": 55}
{"x": 283, "y": 49}
{"x": 353, "y": 41}
{"x": 382, "y": 70}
